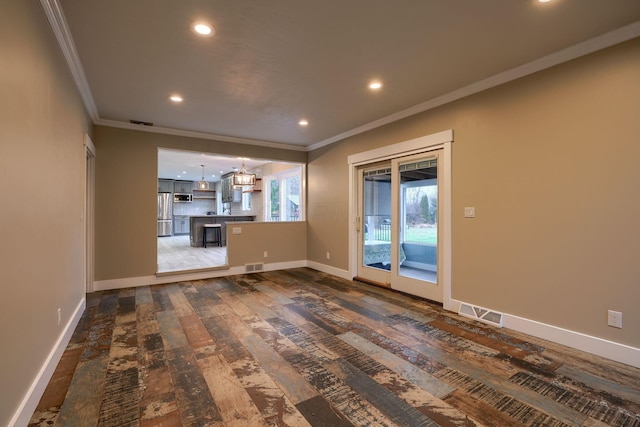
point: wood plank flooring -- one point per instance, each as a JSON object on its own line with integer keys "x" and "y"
{"x": 303, "y": 348}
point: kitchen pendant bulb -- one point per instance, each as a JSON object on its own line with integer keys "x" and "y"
{"x": 202, "y": 184}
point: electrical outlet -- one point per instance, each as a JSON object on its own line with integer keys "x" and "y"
{"x": 236, "y": 230}
{"x": 59, "y": 315}
{"x": 328, "y": 255}
{"x": 614, "y": 319}
{"x": 266, "y": 254}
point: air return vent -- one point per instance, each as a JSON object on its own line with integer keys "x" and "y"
{"x": 140, "y": 122}
{"x": 482, "y": 314}
{"x": 250, "y": 268}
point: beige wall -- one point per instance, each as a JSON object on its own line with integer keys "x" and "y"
{"x": 42, "y": 122}
{"x": 126, "y": 188}
{"x": 283, "y": 242}
{"x": 551, "y": 164}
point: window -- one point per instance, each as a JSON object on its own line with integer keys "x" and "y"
{"x": 246, "y": 198}
{"x": 283, "y": 196}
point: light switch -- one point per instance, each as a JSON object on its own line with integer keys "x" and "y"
{"x": 236, "y": 230}
{"x": 470, "y": 212}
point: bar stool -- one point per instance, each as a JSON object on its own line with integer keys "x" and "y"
{"x": 217, "y": 233}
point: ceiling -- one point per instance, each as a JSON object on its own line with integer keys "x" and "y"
{"x": 274, "y": 62}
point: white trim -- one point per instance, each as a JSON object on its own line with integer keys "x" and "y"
{"x": 132, "y": 282}
{"x": 200, "y": 135}
{"x": 58, "y": 23}
{"x": 601, "y": 347}
{"x": 88, "y": 143}
{"x": 29, "y": 403}
{"x": 441, "y": 140}
{"x": 344, "y": 274}
{"x": 447, "y": 211}
{"x": 88, "y": 215}
{"x": 586, "y": 47}
{"x": 404, "y": 148}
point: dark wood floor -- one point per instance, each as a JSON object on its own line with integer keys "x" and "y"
{"x": 299, "y": 347}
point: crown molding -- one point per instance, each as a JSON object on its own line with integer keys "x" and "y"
{"x": 53, "y": 11}
{"x": 603, "y": 41}
{"x": 200, "y": 135}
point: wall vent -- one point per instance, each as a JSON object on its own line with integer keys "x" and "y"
{"x": 482, "y": 314}
{"x": 251, "y": 268}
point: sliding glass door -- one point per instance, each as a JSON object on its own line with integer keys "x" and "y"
{"x": 374, "y": 252}
{"x": 398, "y": 224}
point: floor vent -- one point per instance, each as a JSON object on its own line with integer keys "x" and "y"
{"x": 250, "y": 268}
{"x": 482, "y": 314}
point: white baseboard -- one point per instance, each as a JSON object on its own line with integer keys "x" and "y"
{"x": 30, "y": 401}
{"x": 330, "y": 270}
{"x": 132, "y": 282}
{"x": 611, "y": 350}
{"x": 285, "y": 265}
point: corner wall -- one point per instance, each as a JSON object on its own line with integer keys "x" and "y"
{"x": 42, "y": 125}
{"x": 549, "y": 162}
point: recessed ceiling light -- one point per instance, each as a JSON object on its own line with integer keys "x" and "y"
{"x": 303, "y": 122}
{"x": 176, "y": 98}
{"x": 184, "y": 171}
{"x": 544, "y": 1}
{"x": 375, "y": 85}
{"x": 203, "y": 29}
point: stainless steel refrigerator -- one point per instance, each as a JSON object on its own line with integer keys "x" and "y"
{"x": 165, "y": 214}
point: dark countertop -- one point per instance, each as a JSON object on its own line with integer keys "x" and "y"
{"x": 219, "y": 216}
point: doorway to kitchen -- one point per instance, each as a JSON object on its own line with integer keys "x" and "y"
{"x": 197, "y": 192}
{"x": 401, "y": 228}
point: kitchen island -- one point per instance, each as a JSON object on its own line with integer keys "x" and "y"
{"x": 197, "y": 221}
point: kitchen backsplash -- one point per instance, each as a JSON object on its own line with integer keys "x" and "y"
{"x": 197, "y": 207}
{"x": 201, "y": 207}
{"x": 256, "y": 207}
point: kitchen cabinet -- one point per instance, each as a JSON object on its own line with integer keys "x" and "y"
{"x": 183, "y": 186}
{"x": 180, "y": 224}
{"x": 197, "y": 221}
{"x": 226, "y": 186}
{"x": 204, "y": 194}
{"x": 165, "y": 186}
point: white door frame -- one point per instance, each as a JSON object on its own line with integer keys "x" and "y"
{"x": 88, "y": 214}
{"x": 423, "y": 144}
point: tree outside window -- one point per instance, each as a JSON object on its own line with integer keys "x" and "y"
{"x": 283, "y": 196}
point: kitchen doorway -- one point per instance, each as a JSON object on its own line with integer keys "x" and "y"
{"x": 191, "y": 194}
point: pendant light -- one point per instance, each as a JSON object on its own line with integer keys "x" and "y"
{"x": 243, "y": 178}
{"x": 202, "y": 184}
